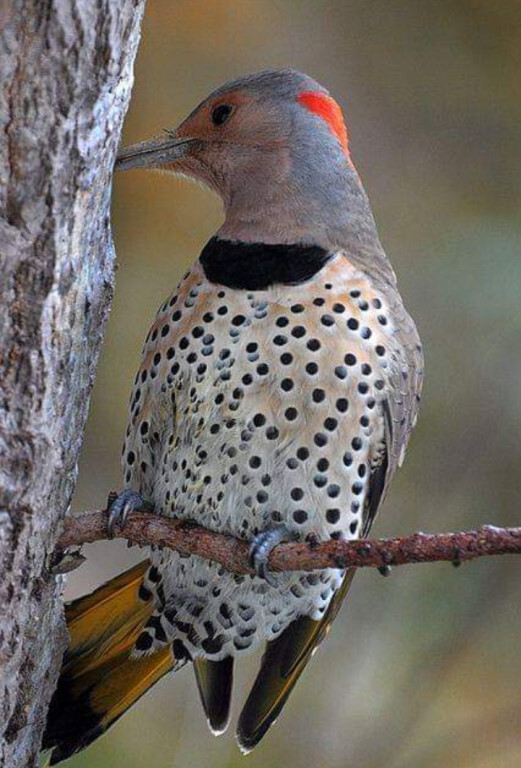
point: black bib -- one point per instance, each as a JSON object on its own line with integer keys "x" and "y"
{"x": 257, "y": 266}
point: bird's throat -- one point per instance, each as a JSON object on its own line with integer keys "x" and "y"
{"x": 258, "y": 266}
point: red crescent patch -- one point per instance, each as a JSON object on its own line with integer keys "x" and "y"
{"x": 326, "y": 108}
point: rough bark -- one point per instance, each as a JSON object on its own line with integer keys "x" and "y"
{"x": 144, "y": 528}
{"x": 65, "y": 81}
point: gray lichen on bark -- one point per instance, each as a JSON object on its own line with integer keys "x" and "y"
{"x": 65, "y": 81}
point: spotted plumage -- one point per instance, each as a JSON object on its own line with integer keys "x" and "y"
{"x": 255, "y": 408}
{"x": 277, "y": 390}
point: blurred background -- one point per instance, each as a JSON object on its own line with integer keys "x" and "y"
{"x": 422, "y": 669}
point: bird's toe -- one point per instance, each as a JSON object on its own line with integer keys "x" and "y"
{"x": 126, "y": 502}
{"x": 262, "y": 546}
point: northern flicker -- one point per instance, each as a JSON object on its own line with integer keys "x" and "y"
{"x": 277, "y": 391}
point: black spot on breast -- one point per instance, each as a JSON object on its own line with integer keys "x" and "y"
{"x": 333, "y": 516}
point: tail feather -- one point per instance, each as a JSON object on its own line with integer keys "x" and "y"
{"x": 282, "y": 664}
{"x": 100, "y": 679}
{"x": 107, "y": 621}
{"x": 215, "y": 680}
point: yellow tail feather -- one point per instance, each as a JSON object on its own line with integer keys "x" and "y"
{"x": 107, "y": 621}
{"x": 99, "y": 679}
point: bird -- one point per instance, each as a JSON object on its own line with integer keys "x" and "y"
{"x": 277, "y": 391}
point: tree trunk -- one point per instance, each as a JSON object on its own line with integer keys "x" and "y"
{"x": 65, "y": 81}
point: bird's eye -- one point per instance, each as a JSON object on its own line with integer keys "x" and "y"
{"x": 221, "y": 113}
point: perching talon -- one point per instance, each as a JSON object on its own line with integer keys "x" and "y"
{"x": 262, "y": 546}
{"x": 127, "y": 501}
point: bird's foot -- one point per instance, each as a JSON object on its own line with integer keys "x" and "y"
{"x": 120, "y": 507}
{"x": 261, "y": 547}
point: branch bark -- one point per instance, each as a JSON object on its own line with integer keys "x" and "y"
{"x": 65, "y": 81}
{"x": 144, "y": 528}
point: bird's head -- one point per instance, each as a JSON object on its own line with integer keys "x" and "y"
{"x": 274, "y": 146}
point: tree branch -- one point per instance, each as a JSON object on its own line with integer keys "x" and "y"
{"x": 144, "y": 528}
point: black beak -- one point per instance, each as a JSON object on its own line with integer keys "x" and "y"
{"x": 153, "y": 153}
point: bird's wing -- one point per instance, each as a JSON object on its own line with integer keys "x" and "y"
{"x": 404, "y": 387}
{"x": 215, "y": 680}
{"x": 399, "y": 409}
{"x": 406, "y": 367}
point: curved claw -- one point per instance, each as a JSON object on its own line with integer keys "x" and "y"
{"x": 261, "y": 547}
{"x": 127, "y": 501}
